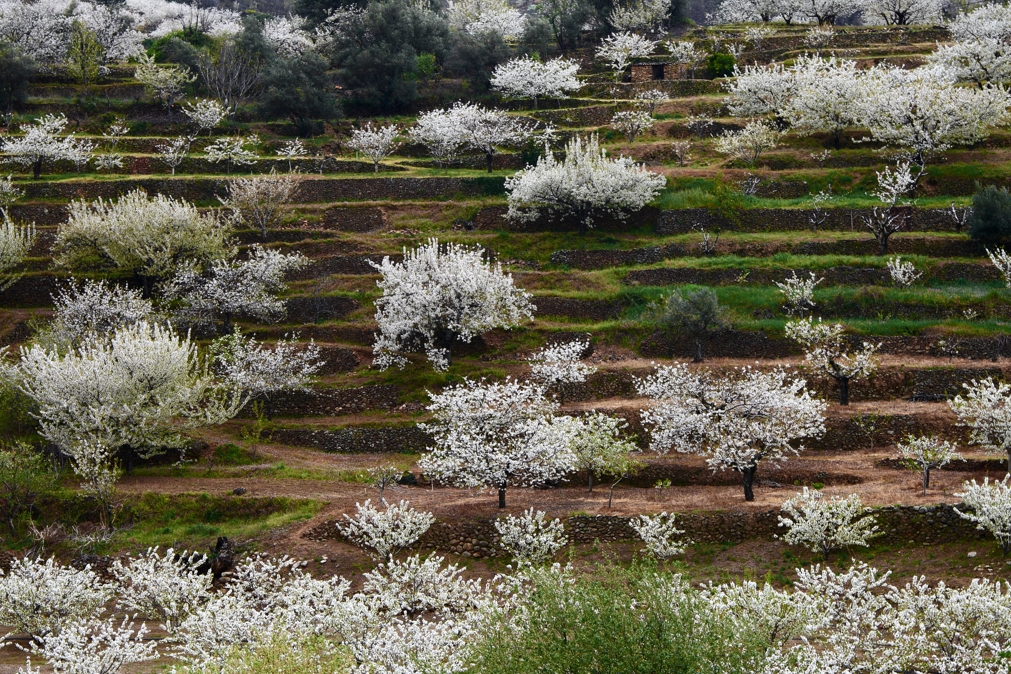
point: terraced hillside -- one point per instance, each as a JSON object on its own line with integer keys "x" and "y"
{"x": 947, "y": 329}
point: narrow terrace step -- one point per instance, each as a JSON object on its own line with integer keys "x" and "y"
{"x": 834, "y": 276}
{"x": 332, "y": 402}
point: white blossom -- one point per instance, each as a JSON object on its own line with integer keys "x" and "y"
{"x": 926, "y": 452}
{"x": 825, "y": 96}
{"x": 162, "y": 587}
{"x": 149, "y": 237}
{"x": 205, "y": 114}
{"x": 137, "y": 389}
{"x": 826, "y": 349}
{"x": 982, "y": 39}
{"x": 375, "y": 143}
{"x": 525, "y": 77}
{"x": 903, "y": 274}
{"x": 41, "y": 142}
{"x": 207, "y": 636}
{"x": 735, "y": 421}
{"x": 776, "y": 616}
{"x": 990, "y": 505}
{"x": 232, "y": 151}
{"x": 96, "y": 647}
{"x": 40, "y": 30}
{"x": 559, "y": 364}
{"x": 598, "y": 447}
{"x": 531, "y": 538}
{"x": 261, "y": 372}
{"x": 440, "y": 133}
{"x": 618, "y": 50}
{"x": 659, "y": 533}
{"x": 165, "y": 84}
{"x": 495, "y": 435}
{"x": 440, "y": 294}
{"x": 94, "y": 310}
{"x": 903, "y": 12}
{"x": 826, "y": 524}
{"x": 759, "y": 90}
{"x": 986, "y": 409}
{"x": 16, "y": 242}
{"x": 632, "y": 123}
{"x": 479, "y": 17}
{"x": 258, "y": 200}
{"x": 417, "y": 585}
{"x": 584, "y": 184}
{"x": 385, "y": 532}
{"x": 798, "y": 293}
{"x": 230, "y": 288}
{"x": 291, "y": 149}
{"x": 174, "y": 151}
{"x": 468, "y": 125}
{"x": 644, "y": 15}
{"x": 1002, "y": 261}
{"x": 749, "y": 143}
{"x": 684, "y": 52}
{"x": 287, "y": 35}
{"x": 43, "y": 597}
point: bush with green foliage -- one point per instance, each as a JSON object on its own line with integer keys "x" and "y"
{"x": 586, "y": 625}
{"x": 16, "y": 72}
{"x": 26, "y": 476}
{"x": 377, "y": 56}
{"x": 991, "y": 214}
{"x": 720, "y": 65}
{"x": 695, "y": 313}
{"x": 300, "y": 89}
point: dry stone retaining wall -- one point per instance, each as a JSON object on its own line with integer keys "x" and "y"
{"x": 478, "y": 538}
{"x": 356, "y": 440}
{"x": 332, "y": 402}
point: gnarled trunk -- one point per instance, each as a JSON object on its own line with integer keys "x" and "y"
{"x": 748, "y": 478}
{"x": 844, "y": 390}
{"x": 501, "y": 497}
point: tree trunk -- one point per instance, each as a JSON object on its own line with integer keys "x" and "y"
{"x": 698, "y": 350}
{"x": 844, "y": 390}
{"x": 375, "y": 167}
{"x": 227, "y": 322}
{"x": 501, "y": 497}
{"x": 268, "y": 407}
{"x": 926, "y": 479}
{"x": 610, "y": 492}
{"x": 37, "y": 169}
{"x": 836, "y": 138}
{"x": 748, "y": 475}
{"x": 591, "y": 483}
{"x": 489, "y": 157}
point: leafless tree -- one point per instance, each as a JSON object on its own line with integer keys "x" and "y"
{"x": 233, "y": 77}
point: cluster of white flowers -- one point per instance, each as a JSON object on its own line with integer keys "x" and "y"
{"x": 480, "y": 17}
{"x": 525, "y": 77}
{"x": 559, "y": 364}
{"x": 824, "y": 525}
{"x": 903, "y": 274}
{"x": 288, "y": 35}
{"x": 985, "y": 407}
{"x": 446, "y": 132}
{"x": 261, "y": 372}
{"x": 826, "y": 349}
{"x": 496, "y": 435}
{"x": 735, "y": 421}
{"x": 139, "y": 388}
{"x": 149, "y": 237}
{"x": 981, "y": 49}
{"x": 232, "y": 151}
{"x": 618, "y": 50}
{"x": 585, "y": 183}
{"x": 174, "y": 151}
{"x": 639, "y": 15}
{"x": 632, "y": 123}
{"x": 825, "y": 12}
{"x": 531, "y": 538}
{"x": 229, "y": 288}
{"x": 93, "y": 310}
{"x": 420, "y": 615}
{"x": 376, "y": 144}
{"x": 990, "y": 508}
{"x": 257, "y": 200}
{"x": 41, "y": 142}
{"x": 385, "y": 532}
{"x": 439, "y": 294}
{"x": 926, "y": 452}
{"x": 205, "y": 114}
{"x": 799, "y": 293}
{"x": 16, "y": 243}
{"x": 291, "y": 149}
{"x": 749, "y": 143}
{"x": 1002, "y": 260}
{"x": 659, "y": 533}
{"x": 166, "y": 84}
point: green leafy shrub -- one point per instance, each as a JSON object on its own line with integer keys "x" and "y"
{"x": 720, "y": 65}
{"x": 991, "y": 214}
{"x": 26, "y": 477}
